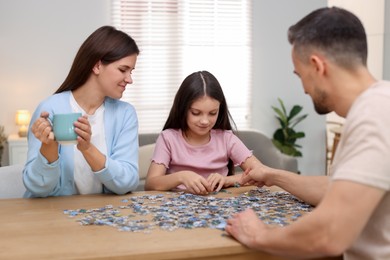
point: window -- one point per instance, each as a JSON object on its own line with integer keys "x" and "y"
{"x": 178, "y": 37}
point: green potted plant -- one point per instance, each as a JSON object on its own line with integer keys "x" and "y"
{"x": 285, "y": 137}
{"x": 3, "y": 138}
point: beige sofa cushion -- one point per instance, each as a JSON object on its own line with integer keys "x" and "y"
{"x": 145, "y": 155}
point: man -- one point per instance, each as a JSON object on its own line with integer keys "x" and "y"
{"x": 352, "y": 214}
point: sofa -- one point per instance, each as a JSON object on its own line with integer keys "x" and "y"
{"x": 260, "y": 144}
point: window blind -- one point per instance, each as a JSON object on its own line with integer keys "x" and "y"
{"x": 178, "y": 37}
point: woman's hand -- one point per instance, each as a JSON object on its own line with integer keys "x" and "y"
{"x": 42, "y": 129}
{"x": 84, "y": 133}
{"x": 216, "y": 181}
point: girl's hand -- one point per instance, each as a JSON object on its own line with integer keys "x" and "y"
{"x": 42, "y": 129}
{"x": 84, "y": 132}
{"x": 216, "y": 181}
{"x": 195, "y": 183}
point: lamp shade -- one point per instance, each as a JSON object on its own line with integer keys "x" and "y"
{"x": 22, "y": 117}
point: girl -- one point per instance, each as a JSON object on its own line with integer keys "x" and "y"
{"x": 197, "y": 150}
{"x": 106, "y": 156}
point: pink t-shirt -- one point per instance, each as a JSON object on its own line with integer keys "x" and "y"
{"x": 177, "y": 155}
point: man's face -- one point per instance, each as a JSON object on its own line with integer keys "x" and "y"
{"x": 311, "y": 82}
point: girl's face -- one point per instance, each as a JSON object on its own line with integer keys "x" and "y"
{"x": 202, "y": 116}
{"x": 114, "y": 77}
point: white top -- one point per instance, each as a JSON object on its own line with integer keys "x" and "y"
{"x": 85, "y": 180}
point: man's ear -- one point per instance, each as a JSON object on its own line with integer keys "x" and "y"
{"x": 318, "y": 64}
{"x": 96, "y": 68}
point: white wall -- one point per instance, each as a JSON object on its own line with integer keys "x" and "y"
{"x": 386, "y": 50}
{"x": 372, "y": 15}
{"x": 38, "y": 42}
{"x": 40, "y": 38}
{"x": 273, "y": 68}
{"x": 273, "y": 77}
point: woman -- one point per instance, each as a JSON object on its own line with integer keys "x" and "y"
{"x": 105, "y": 159}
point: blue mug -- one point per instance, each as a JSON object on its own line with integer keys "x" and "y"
{"x": 63, "y": 128}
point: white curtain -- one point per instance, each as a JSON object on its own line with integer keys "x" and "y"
{"x": 178, "y": 37}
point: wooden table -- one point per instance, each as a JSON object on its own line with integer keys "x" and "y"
{"x": 38, "y": 229}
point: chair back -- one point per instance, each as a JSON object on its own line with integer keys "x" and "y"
{"x": 11, "y": 181}
{"x": 264, "y": 150}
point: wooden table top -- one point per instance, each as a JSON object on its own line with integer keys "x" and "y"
{"x": 39, "y": 229}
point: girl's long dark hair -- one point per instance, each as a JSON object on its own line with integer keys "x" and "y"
{"x": 195, "y": 86}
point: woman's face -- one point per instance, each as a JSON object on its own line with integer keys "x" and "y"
{"x": 114, "y": 77}
{"x": 202, "y": 116}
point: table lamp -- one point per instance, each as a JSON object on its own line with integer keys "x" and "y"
{"x": 22, "y": 119}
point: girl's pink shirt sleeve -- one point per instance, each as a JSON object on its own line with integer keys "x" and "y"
{"x": 177, "y": 155}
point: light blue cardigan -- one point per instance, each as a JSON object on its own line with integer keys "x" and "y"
{"x": 120, "y": 174}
